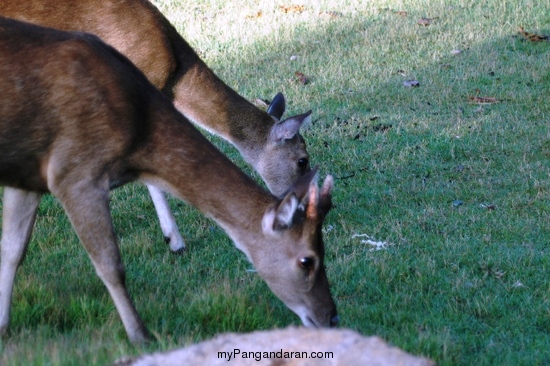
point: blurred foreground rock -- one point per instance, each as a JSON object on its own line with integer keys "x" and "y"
{"x": 285, "y": 347}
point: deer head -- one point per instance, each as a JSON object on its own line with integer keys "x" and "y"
{"x": 297, "y": 273}
{"x": 284, "y": 157}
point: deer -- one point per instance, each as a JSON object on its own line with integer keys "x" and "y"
{"x": 78, "y": 119}
{"x": 136, "y": 28}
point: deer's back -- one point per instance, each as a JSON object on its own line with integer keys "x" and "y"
{"x": 134, "y": 27}
{"x": 67, "y": 97}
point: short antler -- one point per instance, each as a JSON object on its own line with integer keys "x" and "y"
{"x": 325, "y": 200}
{"x": 311, "y": 212}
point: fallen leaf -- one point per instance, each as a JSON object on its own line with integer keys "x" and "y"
{"x": 457, "y": 203}
{"x": 381, "y": 127}
{"x": 292, "y": 8}
{"x": 255, "y": 15}
{"x": 483, "y": 100}
{"x": 330, "y": 14}
{"x": 376, "y": 245}
{"x": 533, "y": 37}
{"x": 425, "y": 21}
{"x": 411, "y": 83}
{"x": 262, "y": 103}
{"x": 301, "y": 77}
{"x": 328, "y": 229}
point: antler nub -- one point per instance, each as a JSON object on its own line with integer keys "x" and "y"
{"x": 313, "y": 198}
{"x": 325, "y": 199}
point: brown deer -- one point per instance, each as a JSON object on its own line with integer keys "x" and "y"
{"x": 137, "y": 29}
{"x": 77, "y": 119}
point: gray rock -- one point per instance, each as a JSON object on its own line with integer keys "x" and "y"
{"x": 289, "y": 347}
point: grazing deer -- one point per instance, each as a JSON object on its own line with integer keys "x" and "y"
{"x": 77, "y": 119}
{"x": 137, "y": 29}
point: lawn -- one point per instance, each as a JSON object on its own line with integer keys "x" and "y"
{"x": 439, "y": 241}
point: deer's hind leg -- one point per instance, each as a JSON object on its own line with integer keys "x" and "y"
{"x": 18, "y": 217}
{"x": 167, "y": 221}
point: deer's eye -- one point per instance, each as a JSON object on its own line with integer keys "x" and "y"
{"x": 307, "y": 263}
{"x": 303, "y": 164}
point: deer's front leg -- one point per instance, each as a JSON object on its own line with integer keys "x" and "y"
{"x": 19, "y": 214}
{"x": 167, "y": 220}
{"x": 88, "y": 211}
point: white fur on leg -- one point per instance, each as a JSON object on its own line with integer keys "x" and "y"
{"x": 19, "y": 214}
{"x": 166, "y": 219}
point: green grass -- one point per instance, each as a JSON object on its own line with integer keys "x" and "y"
{"x": 461, "y": 284}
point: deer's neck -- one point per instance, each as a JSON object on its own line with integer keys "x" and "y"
{"x": 206, "y": 100}
{"x": 192, "y": 169}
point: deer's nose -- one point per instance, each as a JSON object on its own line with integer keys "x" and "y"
{"x": 334, "y": 320}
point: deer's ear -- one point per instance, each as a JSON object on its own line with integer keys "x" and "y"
{"x": 287, "y": 129}
{"x": 277, "y": 106}
{"x": 280, "y": 217}
{"x": 302, "y": 185}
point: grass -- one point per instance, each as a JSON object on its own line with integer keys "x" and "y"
{"x": 459, "y": 191}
